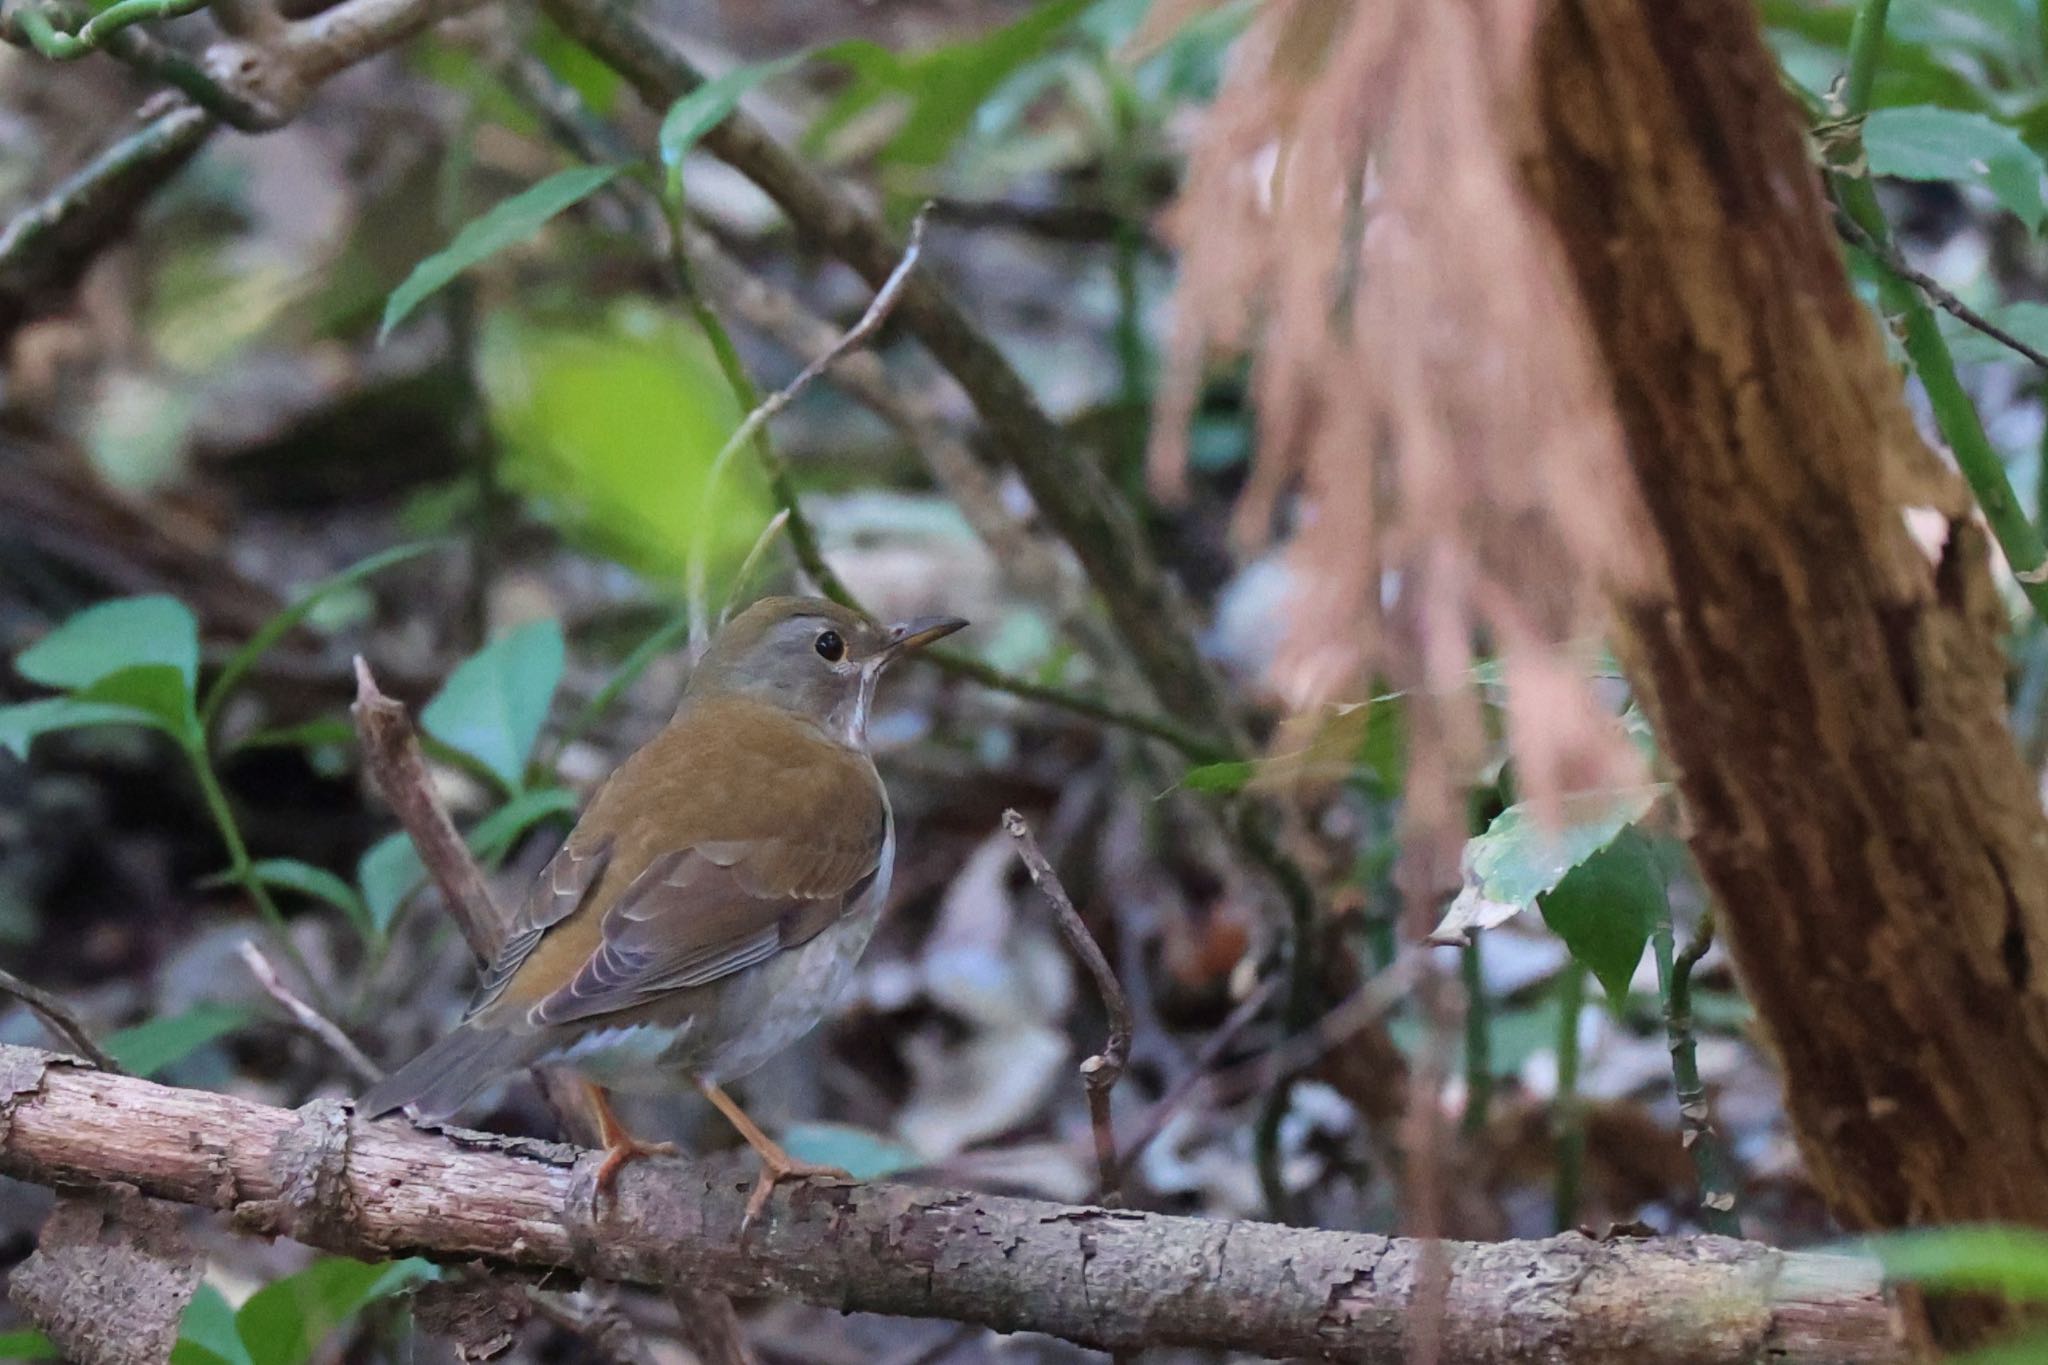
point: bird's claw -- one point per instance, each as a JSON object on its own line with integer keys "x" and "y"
{"x": 774, "y": 1173}
{"x": 619, "y": 1154}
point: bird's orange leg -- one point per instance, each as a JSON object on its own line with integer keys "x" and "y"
{"x": 620, "y": 1146}
{"x": 776, "y": 1164}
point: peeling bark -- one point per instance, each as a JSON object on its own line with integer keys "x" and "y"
{"x": 1831, "y": 695}
{"x": 1114, "y": 1279}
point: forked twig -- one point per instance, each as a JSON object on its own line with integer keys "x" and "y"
{"x": 1100, "y": 1072}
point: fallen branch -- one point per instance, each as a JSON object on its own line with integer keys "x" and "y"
{"x": 1116, "y": 1280}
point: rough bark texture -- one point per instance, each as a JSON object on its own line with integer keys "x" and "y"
{"x": 1830, "y": 693}
{"x": 1114, "y": 1279}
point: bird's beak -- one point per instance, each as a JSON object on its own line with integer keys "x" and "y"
{"x": 917, "y": 633}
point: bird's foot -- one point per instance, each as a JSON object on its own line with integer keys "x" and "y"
{"x": 775, "y": 1170}
{"x": 619, "y": 1152}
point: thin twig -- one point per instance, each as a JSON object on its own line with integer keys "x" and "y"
{"x": 1154, "y": 1120}
{"x": 392, "y": 756}
{"x": 1891, "y": 259}
{"x": 317, "y": 1025}
{"x": 59, "y": 1019}
{"x": 1100, "y": 1072}
{"x": 745, "y": 573}
{"x": 870, "y": 322}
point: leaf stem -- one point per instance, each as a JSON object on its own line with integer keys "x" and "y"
{"x": 1710, "y": 1157}
{"x": 1866, "y": 47}
{"x": 1568, "y": 1110}
{"x": 1478, "y": 1039}
{"x": 243, "y": 870}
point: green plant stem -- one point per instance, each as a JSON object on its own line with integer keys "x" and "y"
{"x": 244, "y": 872}
{"x": 1866, "y": 47}
{"x": 57, "y": 45}
{"x": 1478, "y": 1039}
{"x": 1925, "y": 346}
{"x": 1567, "y": 1110}
{"x": 1710, "y": 1157}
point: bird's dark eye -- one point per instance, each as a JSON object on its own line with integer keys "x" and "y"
{"x": 830, "y": 647}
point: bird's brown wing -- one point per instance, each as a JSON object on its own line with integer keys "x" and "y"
{"x": 700, "y": 914}
{"x": 565, "y": 883}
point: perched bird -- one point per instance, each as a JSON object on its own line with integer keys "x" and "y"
{"x": 710, "y": 905}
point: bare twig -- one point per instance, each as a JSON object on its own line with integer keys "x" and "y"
{"x": 391, "y": 754}
{"x": 307, "y": 1018}
{"x": 1892, "y": 259}
{"x": 870, "y": 322}
{"x": 1117, "y": 1280}
{"x": 1100, "y": 1072}
{"x": 59, "y": 1019}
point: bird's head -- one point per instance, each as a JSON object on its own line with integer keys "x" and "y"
{"x": 812, "y": 657}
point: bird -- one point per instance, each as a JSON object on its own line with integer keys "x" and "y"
{"x": 711, "y": 902}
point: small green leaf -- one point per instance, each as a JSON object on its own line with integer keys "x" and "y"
{"x": 704, "y": 108}
{"x": 858, "y": 1152}
{"x": 388, "y": 872}
{"x": 149, "y": 1047}
{"x": 279, "y": 625}
{"x": 287, "y": 1320}
{"x": 1976, "y": 1259}
{"x": 1605, "y": 908}
{"x": 22, "y": 723}
{"x": 113, "y": 636}
{"x": 391, "y": 869}
{"x": 206, "y": 1334}
{"x": 157, "y": 691}
{"x": 26, "y": 1346}
{"x": 1922, "y": 142}
{"x": 1518, "y": 859}
{"x": 323, "y": 732}
{"x": 317, "y": 883}
{"x": 497, "y": 832}
{"x": 514, "y": 221}
{"x": 493, "y": 705}
{"x": 1228, "y": 776}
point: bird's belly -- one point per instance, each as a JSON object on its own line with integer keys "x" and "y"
{"x": 758, "y": 1012}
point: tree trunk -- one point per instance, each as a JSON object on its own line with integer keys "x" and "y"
{"x": 1829, "y": 691}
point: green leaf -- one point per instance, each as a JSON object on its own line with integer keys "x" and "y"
{"x": 1228, "y": 776}
{"x": 944, "y": 87}
{"x": 287, "y": 1320}
{"x": 279, "y": 625}
{"x": 322, "y": 732}
{"x": 1605, "y": 908}
{"x": 493, "y": 705}
{"x": 497, "y": 832}
{"x": 1518, "y": 859}
{"x": 156, "y": 691}
{"x": 317, "y": 883}
{"x": 22, "y": 723}
{"x": 1977, "y": 1259}
{"x": 206, "y": 1334}
{"x": 391, "y": 870}
{"x": 860, "y": 1153}
{"x": 149, "y": 1047}
{"x": 704, "y": 108}
{"x": 515, "y": 220}
{"x": 388, "y": 872}
{"x": 2026, "y": 1350}
{"x": 1921, "y": 142}
{"x": 112, "y": 636}
{"x": 26, "y": 1346}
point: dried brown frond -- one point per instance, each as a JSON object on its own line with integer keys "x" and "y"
{"x": 1435, "y": 430}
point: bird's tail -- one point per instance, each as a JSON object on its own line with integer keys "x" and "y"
{"x": 439, "y": 1080}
